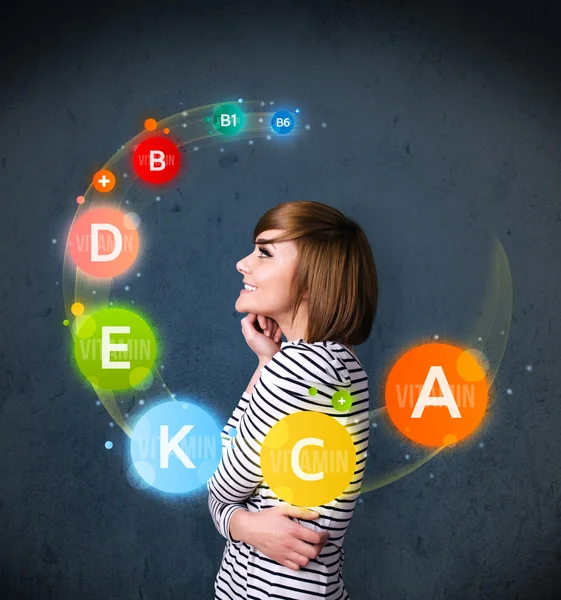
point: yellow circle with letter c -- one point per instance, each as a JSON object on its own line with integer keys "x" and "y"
{"x": 308, "y": 458}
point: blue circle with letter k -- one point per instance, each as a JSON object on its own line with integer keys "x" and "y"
{"x": 176, "y": 446}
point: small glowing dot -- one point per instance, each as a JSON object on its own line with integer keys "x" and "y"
{"x": 431, "y": 475}
{"x": 240, "y": 100}
{"x": 138, "y": 274}
{"x": 127, "y": 288}
{"x": 126, "y": 414}
{"x": 111, "y": 303}
{"x": 324, "y": 124}
{"x": 173, "y": 396}
{"x": 158, "y": 198}
{"x": 66, "y": 322}
{"x": 509, "y": 391}
{"x": 141, "y": 402}
{"x": 260, "y": 119}
{"x": 109, "y": 445}
{"x": 502, "y": 332}
{"x": 54, "y": 241}
{"x": 184, "y": 125}
{"x": 125, "y": 175}
{"x": 163, "y": 385}
{"x": 77, "y": 309}
{"x": 161, "y": 366}
{"x": 250, "y": 142}
{"x": 374, "y": 424}
{"x": 195, "y": 148}
{"x": 360, "y": 500}
{"x": 94, "y": 292}
{"x": 97, "y": 403}
{"x": 262, "y": 104}
{"x": 307, "y": 127}
{"x": 479, "y": 339}
{"x": 268, "y": 137}
{"x": 111, "y": 424}
{"x": 166, "y": 130}
{"x": 150, "y": 124}
{"x": 356, "y": 420}
{"x": 436, "y": 337}
{"x": 221, "y": 149}
{"x": 126, "y": 201}
{"x": 297, "y": 110}
{"x": 529, "y": 367}
{"x": 407, "y": 457}
{"x": 132, "y": 301}
{"x": 271, "y": 103}
{"x": 480, "y": 444}
{"x": 56, "y": 282}
{"x": 80, "y": 199}
{"x": 184, "y": 113}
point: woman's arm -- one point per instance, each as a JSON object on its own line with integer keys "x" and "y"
{"x": 221, "y": 512}
{"x": 282, "y": 390}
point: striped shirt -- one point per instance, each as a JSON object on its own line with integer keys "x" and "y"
{"x": 237, "y": 484}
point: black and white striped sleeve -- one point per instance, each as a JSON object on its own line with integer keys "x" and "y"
{"x": 222, "y": 512}
{"x": 281, "y": 390}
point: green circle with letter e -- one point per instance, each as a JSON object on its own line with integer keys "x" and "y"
{"x": 115, "y": 349}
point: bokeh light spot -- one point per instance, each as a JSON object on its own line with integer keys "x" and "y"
{"x": 77, "y": 309}
{"x": 150, "y": 124}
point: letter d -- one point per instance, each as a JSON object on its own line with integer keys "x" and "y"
{"x": 95, "y": 228}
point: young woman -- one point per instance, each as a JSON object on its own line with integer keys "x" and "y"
{"x": 312, "y": 278}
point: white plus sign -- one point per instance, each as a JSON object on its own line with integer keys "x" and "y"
{"x": 104, "y": 181}
{"x": 341, "y": 401}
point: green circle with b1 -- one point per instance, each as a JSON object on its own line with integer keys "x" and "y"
{"x": 228, "y": 119}
{"x": 115, "y": 349}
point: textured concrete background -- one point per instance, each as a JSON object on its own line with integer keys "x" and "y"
{"x": 443, "y": 129}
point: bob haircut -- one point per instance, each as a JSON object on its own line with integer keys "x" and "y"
{"x": 335, "y": 265}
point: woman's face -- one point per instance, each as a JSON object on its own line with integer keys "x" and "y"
{"x": 270, "y": 269}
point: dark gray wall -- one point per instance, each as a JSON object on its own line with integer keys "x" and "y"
{"x": 443, "y": 128}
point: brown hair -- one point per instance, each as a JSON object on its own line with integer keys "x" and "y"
{"x": 335, "y": 265}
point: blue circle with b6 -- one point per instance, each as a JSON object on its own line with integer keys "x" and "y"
{"x": 282, "y": 122}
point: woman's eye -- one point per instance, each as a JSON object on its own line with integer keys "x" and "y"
{"x": 264, "y": 251}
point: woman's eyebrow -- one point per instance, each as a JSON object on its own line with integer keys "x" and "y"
{"x": 262, "y": 241}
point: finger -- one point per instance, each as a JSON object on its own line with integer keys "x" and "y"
{"x": 273, "y": 328}
{"x": 291, "y": 565}
{"x": 298, "y": 559}
{"x": 298, "y": 511}
{"x": 249, "y": 318}
{"x": 308, "y": 535}
{"x": 308, "y": 550}
{"x": 262, "y": 322}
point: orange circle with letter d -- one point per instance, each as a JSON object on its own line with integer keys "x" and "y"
{"x": 436, "y": 394}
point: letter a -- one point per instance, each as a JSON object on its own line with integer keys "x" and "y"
{"x": 446, "y": 400}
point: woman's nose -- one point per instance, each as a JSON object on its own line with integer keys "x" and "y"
{"x": 241, "y": 268}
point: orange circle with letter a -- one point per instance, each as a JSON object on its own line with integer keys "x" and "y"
{"x": 436, "y": 394}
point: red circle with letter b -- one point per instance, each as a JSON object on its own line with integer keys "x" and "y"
{"x": 156, "y": 160}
